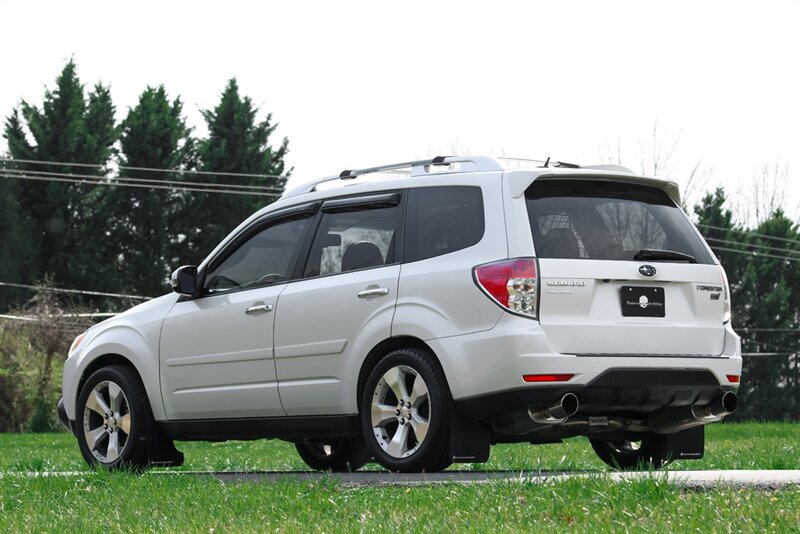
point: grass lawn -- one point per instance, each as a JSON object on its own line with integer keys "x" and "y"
{"x": 103, "y": 502}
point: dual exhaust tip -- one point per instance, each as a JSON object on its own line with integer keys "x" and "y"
{"x": 664, "y": 421}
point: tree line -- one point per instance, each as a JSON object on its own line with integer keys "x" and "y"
{"x": 163, "y": 208}
{"x": 83, "y": 200}
{"x": 763, "y": 269}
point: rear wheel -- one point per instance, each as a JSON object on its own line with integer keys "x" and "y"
{"x": 649, "y": 453}
{"x": 404, "y": 413}
{"x": 337, "y": 454}
{"x": 113, "y": 413}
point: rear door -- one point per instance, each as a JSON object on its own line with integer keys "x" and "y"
{"x": 600, "y": 293}
{"x": 329, "y": 320}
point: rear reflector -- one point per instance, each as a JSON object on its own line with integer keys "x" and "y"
{"x": 510, "y": 283}
{"x": 733, "y": 379}
{"x": 547, "y": 378}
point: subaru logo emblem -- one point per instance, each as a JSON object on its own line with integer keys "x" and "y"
{"x": 647, "y": 270}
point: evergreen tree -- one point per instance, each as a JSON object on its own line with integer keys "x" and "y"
{"x": 154, "y": 136}
{"x": 236, "y": 143}
{"x": 771, "y": 294}
{"x": 61, "y": 216}
{"x": 15, "y": 244}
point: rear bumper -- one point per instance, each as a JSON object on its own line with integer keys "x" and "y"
{"x": 623, "y": 391}
{"x": 494, "y": 361}
{"x": 62, "y": 416}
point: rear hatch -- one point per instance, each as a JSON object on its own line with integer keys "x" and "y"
{"x": 623, "y": 271}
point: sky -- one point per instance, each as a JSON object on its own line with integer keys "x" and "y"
{"x": 360, "y": 83}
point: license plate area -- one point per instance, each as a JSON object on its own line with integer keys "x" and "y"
{"x": 642, "y": 301}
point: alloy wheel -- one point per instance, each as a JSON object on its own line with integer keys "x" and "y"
{"x": 400, "y": 411}
{"x": 107, "y": 421}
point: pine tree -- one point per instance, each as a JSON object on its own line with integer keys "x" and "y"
{"x": 70, "y": 127}
{"x": 236, "y": 143}
{"x": 154, "y": 136}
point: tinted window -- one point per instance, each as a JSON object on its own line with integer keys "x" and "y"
{"x": 441, "y": 220}
{"x": 265, "y": 258}
{"x": 351, "y": 240}
{"x": 607, "y": 221}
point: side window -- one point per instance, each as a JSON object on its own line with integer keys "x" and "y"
{"x": 265, "y": 258}
{"x": 353, "y": 239}
{"x": 441, "y": 220}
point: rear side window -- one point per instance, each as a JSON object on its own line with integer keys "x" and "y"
{"x": 607, "y": 221}
{"x": 441, "y": 220}
{"x": 353, "y": 240}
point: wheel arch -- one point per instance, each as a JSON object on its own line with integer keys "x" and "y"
{"x": 385, "y": 347}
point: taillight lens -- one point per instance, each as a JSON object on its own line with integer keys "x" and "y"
{"x": 512, "y": 284}
{"x": 726, "y": 310}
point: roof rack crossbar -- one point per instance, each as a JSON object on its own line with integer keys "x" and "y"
{"x": 418, "y": 168}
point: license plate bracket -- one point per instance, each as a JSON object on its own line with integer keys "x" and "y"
{"x": 642, "y": 301}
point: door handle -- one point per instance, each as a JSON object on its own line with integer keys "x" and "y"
{"x": 261, "y": 308}
{"x": 376, "y": 292}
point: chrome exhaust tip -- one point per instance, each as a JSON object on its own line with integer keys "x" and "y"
{"x": 566, "y": 407}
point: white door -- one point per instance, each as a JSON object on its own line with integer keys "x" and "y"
{"x": 217, "y": 358}
{"x": 326, "y": 323}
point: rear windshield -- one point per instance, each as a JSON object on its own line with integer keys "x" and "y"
{"x": 603, "y": 220}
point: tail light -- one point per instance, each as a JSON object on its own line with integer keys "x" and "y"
{"x": 726, "y": 310}
{"x": 512, "y": 284}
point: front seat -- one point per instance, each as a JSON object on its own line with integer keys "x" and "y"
{"x": 361, "y": 255}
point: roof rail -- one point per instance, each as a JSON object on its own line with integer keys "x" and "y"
{"x": 420, "y": 167}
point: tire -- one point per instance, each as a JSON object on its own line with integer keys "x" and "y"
{"x": 648, "y": 454}
{"x": 412, "y": 435}
{"x": 112, "y": 419}
{"x": 340, "y": 455}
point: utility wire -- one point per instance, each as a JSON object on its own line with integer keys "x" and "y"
{"x": 75, "y": 291}
{"x": 146, "y": 169}
{"x": 752, "y": 253}
{"x": 754, "y": 245}
{"x": 141, "y": 186}
{"x": 178, "y": 183}
{"x": 748, "y": 232}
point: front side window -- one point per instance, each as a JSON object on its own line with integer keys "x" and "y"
{"x": 352, "y": 240}
{"x": 265, "y": 258}
{"x": 603, "y": 220}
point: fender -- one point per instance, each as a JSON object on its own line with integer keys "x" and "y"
{"x": 133, "y": 335}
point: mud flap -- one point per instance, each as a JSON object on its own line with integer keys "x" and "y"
{"x": 469, "y": 440}
{"x": 161, "y": 451}
{"x": 688, "y": 444}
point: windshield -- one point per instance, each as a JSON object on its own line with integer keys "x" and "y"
{"x": 601, "y": 220}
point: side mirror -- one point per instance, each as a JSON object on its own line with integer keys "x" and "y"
{"x": 184, "y": 280}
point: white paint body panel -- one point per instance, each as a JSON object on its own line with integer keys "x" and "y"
{"x": 323, "y": 332}
{"x": 216, "y": 361}
{"x": 133, "y": 335}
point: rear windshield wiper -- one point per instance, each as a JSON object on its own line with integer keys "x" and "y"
{"x": 663, "y": 255}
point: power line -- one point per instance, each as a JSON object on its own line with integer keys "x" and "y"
{"x": 752, "y": 253}
{"x": 748, "y": 232}
{"x": 75, "y": 291}
{"x": 754, "y": 245}
{"x": 141, "y": 186}
{"x": 146, "y": 169}
{"x": 143, "y": 180}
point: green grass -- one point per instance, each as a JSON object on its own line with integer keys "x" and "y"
{"x": 103, "y": 502}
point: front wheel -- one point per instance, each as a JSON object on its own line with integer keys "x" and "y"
{"x": 404, "y": 413}
{"x": 338, "y": 454}
{"x": 651, "y": 452}
{"x": 113, "y": 412}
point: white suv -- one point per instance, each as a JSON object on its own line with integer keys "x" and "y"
{"x": 416, "y": 319}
